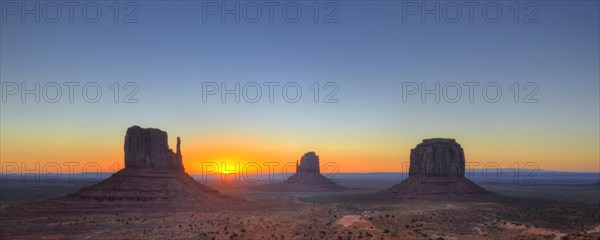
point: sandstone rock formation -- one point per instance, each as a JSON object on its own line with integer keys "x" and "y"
{"x": 308, "y": 176}
{"x": 437, "y": 168}
{"x": 308, "y": 171}
{"x": 149, "y": 148}
{"x": 153, "y": 176}
{"x": 437, "y": 157}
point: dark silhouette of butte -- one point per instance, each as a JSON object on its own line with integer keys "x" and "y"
{"x": 437, "y": 168}
{"x": 308, "y": 178}
{"x": 308, "y": 172}
{"x": 153, "y": 175}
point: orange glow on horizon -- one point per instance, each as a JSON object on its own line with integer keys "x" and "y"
{"x": 379, "y": 154}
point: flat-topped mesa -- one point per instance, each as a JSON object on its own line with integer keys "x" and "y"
{"x": 148, "y": 148}
{"x": 437, "y": 168}
{"x": 437, "y": 157}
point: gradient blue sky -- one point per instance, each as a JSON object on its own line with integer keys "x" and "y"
{"x": 369, "y": 53}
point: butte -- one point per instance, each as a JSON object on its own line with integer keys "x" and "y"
{"x": 437, "y": 168}
{"x": 153, "y": 177}
{"x": 308, "y": 178}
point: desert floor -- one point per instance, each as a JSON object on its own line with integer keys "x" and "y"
{"x": 516, "y": 211}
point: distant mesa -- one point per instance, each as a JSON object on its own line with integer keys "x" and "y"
{"x": 308, "y": 178}
{"x": 153, "y": 175}
{"x": 437, "y": 168}
{"x": 308, "y": 171}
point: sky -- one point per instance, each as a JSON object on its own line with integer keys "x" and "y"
{"x": 371, "y": 62}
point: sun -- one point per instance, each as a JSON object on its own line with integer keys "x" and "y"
{"x": 229, "y": 172}
{"x": 229, "y": 165}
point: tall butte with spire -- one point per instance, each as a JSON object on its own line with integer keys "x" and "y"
{"x": 149, "y": 149}
{"x": 153, "y": 176}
